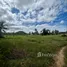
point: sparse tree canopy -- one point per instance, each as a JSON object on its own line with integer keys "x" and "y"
{"x": 55, "y": 32}
{"x": 3, "y": 27}
{"x": 45, "y": 32}
{"x": 36, "y": 31}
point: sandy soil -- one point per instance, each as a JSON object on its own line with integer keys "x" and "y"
{"x": 59, "y": 58}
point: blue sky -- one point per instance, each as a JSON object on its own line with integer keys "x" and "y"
{"x": 15, "y": 10}
{"x": 26, "y": 15}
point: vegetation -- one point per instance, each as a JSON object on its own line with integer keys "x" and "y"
{"x": 2, "y": 28}
{"x": 65, "y": 52}
{"x": 64, "y": 35}
{"x": 45, "y": 32}
{"x": 21, "y": 51}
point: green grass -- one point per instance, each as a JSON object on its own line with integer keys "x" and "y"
{"x": 28, "y": 46}
{"x": 65, "y": 52}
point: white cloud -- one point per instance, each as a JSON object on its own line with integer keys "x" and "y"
{"x": 29, "y": 20}
{"x": 21, "y": 4}
{"x": 42, "y": 10}
{"x": 62, "y": 22}
{"x": 48, "y": 13}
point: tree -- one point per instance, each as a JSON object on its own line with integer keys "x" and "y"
{"x": 56, "y": 32}
{"x": 48, "y": 31}
{"x": 36, "y": 31}
{"x": 53, "y": 32}
{"x": 2, "y": 28}
{"x": 45, "y": 32}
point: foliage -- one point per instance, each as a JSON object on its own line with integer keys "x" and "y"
{"x": 2, "y": 28}
{"x": 35, "y": 33}
{"x": 55, "y": 32}
{"x": 64, "y": 35}
{"x": 45, "y": 32}
{"x": 21, "y": 51}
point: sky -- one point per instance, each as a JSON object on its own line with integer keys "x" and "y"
{"x": 26, "y": 15}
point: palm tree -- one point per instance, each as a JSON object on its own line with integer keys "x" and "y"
{"x": 3, "y": 27}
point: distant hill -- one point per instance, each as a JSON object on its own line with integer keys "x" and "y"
{"x": 16, "y": 33}
{"x": 62, "y": 32}
{"x": 21, "y": 33}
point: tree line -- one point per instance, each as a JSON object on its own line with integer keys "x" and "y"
{"x": 44, "y": 31}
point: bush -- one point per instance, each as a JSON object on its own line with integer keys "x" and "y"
{"x": 5, "y": 55}
{"x": 64, "y": 35}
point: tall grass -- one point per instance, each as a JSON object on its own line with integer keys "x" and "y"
{"x": 21, "y": 51}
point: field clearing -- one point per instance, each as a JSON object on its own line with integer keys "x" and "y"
{"x": 21, "y": 51}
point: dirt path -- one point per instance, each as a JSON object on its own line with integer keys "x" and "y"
{"x": 59, "y": 59}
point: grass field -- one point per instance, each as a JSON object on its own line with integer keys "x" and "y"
{"x": 65, "y": 57}
{"x": 21, "y": 51}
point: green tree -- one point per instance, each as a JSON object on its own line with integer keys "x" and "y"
{"x": 36, "y": 31}
{"x": 53, "y": 32}
{"x": 56, "y": 32}
{"x": 3, "y": 27}
{"x": 45, "y": 32}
